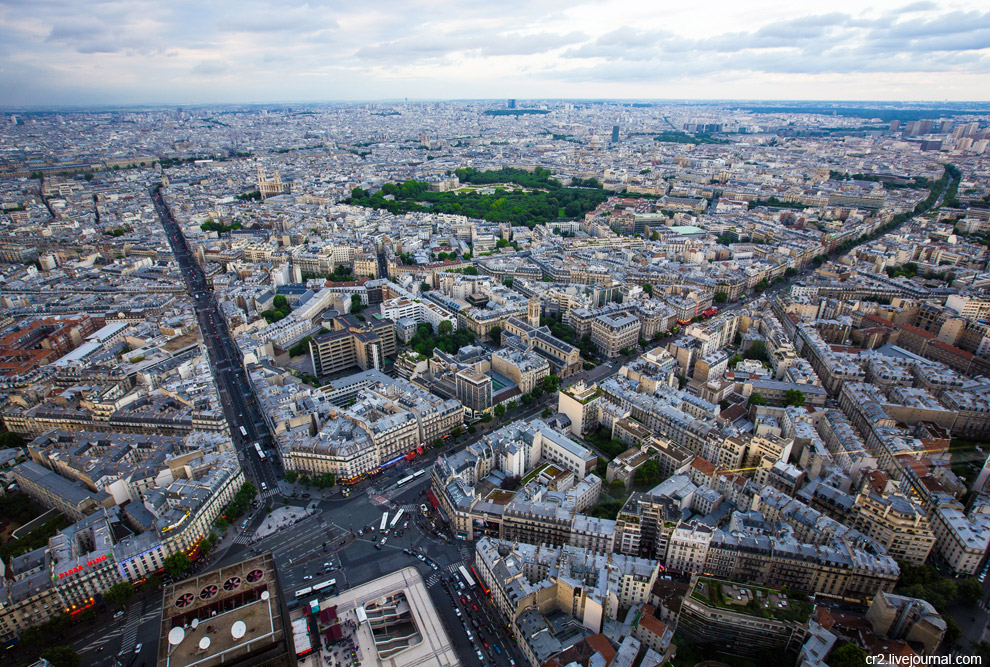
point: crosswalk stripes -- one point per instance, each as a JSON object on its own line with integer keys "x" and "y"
{"x": 433, "y": 580}
{"x": 451, "y": 568}
{"x": 129, "y": 639}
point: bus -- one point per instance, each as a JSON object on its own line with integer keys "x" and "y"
{"x": 303, "y": 592}
{"x": 481, "y": 583}
{"x": 409, "y": 478}
{"x": 261, "y": 452}
{"x": 381, "y": 528}
{"x": 324, "y": 584}
{"x": 243, "y": 432}
{"x": 468, "y": 579}
{"x": 395, "y": 521}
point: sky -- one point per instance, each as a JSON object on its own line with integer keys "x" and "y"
{"x": 93, "y": 52}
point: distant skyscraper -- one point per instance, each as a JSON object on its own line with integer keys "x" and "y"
{"x": 511, "y": 104}
{"x": 615, "y": 134}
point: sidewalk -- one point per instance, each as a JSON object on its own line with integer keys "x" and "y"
{"x": 280, "y": 518}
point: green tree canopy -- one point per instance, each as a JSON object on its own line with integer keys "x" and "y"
{"x": 847, "y": 655}
{"x": 495, "y": 334}
{"x": 794, "y": 397}
{"x": 177, "y": 564}
{"x": 757, "y": 398}
{"x": 720, "y": 297}
{"x": 445, "y": 328}
{"x": 119, "y": 593}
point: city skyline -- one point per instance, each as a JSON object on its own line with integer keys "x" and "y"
{"x": 112, "y": 53}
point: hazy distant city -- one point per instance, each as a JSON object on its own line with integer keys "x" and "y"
{"x": 584, "y": 377}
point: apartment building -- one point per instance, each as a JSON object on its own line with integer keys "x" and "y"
{"x": 352, "y": 343}
{"x": 961, "y": 539}
{"x": 743, "y": 619}
{"x": 580, "y": 403}
{"x": 612, "y": 332}
{"x": 896, "y": 522}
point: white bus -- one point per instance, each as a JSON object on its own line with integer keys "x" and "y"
{"x": 395, "y": 521}
{"x": 468, "y": 579}
{"x": 261, "y": 452}
{"x": 381, "y": 528}
{"x": 324, "y": 584}
{"x": 243, "y": 432}
{"x": 408, "y": 478}
{"x": 302, "y": 592}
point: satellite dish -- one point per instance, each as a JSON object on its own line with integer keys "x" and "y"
{"x": 265, "y": 595}
{"x": 238, "y": 629}
{"x": 194, "y": 623}
{"x": 204, "y": 643}
{"x": 176, "y": 635}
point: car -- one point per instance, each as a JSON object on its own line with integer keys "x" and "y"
{"x": 458, "y": 612}
{"x": 480, "y": 656}
{"x": 474, "y": 607}
{"x": 463, "y": 600}
{"x": 484, "y": 643}
{"x": 378, "y": 546}
{"x": 137, "y": 649}
{"x": 307, "y": 577}
{"x": 118, "y": 614}
{"x": 498, "y": 650}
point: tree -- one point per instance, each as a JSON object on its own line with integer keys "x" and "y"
{"x": 647, "y": 474}
{"x": 280, "y": 302}
{"x": 551, "y": 383}
{"x": 61, "y": 656}
{"x": 617, "y": 487}
{"x": 424, "y": 286}
{"x": 119, "y": 593}
{"x": 969, "y": 591}
{"x": 952, "y": 632}
{"x": 757, "y": 350}
{"x": 546, "y": 413}
{"x": 472, "y": 429}
{"x": 513, "y": 404}
{"x": 847, "y": 655}
{"x": 445, "y": 328}
{"x": 790, "y": 272}
{"x": 33, "y": 636}
{"x": 794, "y": 397}
{"x": 291, "y": 476}
{"x": 356, "y": 305}
{"x": 10, "y": 440}
{"x": 762, "y": 285}
{"x": 495, "y": 333}
{"x": 757, "y": 398}
{"x": 456, "y": 432}
{"x": 720, "y": 297}
{"x": 499, "y": 410}
{"x": 507, "y": 282}
{"x": 153, "y": 583}
{"x": 437, "y": 443}
{"x": 625, "y": 352}
{"x": 177, "y": 564}
{"x": 527, "y": 399}
{"x": 648, "y": 288}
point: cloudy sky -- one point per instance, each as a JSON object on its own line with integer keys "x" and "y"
{"x": 202, "y": 51}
